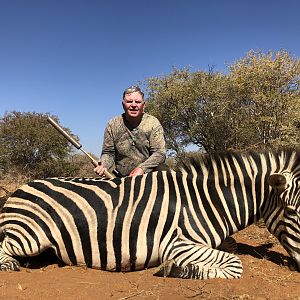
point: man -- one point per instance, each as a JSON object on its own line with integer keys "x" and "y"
{"x": 133, "y": 142}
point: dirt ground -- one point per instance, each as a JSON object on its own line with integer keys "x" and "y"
{"x": 266, "y": 276}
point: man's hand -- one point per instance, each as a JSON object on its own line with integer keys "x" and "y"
{"x": 100, "y": 170}
{"x": 136, "y": 171}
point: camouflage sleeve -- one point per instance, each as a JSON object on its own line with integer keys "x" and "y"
{"x": 157, "y": 149}
{"x": 108, "y": 149}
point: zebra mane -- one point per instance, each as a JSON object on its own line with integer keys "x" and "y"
{"x": 204, "y": 160}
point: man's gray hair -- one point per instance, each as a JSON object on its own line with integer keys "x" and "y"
{"x": 133, "y": 89}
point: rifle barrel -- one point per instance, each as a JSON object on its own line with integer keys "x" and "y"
{"x": 77, "y": 145}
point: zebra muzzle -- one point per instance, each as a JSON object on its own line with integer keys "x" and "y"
{"x": 294, "y": 266}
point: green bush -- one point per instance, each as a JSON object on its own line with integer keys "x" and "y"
{"x": 30, "y": 146}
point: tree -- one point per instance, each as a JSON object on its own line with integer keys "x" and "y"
{"x": 165, "y": 98}
{"x": 267, "y": 88}
{"x": 194, "y": 109}
{"x": 31, "y": 146}
{"x": 85, "y": 168}
{"x": 255, "y": 105}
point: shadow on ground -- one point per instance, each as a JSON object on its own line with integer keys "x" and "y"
{"x": 43, "y": 260}
{"x": 264, "y": 252}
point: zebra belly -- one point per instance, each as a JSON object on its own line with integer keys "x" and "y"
{"x": 125, "y": 254}
{"x": 24, "y": 244}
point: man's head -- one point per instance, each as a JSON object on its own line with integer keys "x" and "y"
{"x": 133, "y": 103}
{"x": 133, "y": 89}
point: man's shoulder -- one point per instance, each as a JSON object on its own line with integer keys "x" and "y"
{"x": 151, "y": 118}
{"x": 150, "y": 123}
{"x": 115, "y": 124}
{"x": 116, "y": 120}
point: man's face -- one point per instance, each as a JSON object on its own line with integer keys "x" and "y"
{"x": 133, "y": 105}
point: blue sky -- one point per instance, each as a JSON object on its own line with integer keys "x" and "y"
{"x": 74, "y": 58}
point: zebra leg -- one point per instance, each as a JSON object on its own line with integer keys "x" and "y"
{"x": 8, "y": 263}
{"x": 229, "y": 245}
{"x": 195, "y": 261}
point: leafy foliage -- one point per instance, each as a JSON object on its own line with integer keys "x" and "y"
{"x": 267, "y": 86}
{"x": 255, "y": 105}
{"x": 30, "y": 145}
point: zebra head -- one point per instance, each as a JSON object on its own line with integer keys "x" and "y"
{"x": 283, "y": 220}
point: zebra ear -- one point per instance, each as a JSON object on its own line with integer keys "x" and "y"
{"x": 278, "y": 182}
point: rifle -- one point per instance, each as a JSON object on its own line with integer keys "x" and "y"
{"x": 77, "y": 145}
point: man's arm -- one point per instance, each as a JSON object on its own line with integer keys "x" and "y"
{"x": 157, "y": 149}
{"x": 108, "y": 148}
{"x": 107, "y": 158}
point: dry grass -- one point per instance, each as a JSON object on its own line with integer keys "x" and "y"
{"x": 11, "y": 183}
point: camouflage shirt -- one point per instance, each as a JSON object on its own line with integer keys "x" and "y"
{"x": 126, "y": 148}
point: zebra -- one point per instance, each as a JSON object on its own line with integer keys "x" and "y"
{"x": 174, "y": 221}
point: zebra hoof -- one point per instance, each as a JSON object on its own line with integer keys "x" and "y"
{"x": 292, "y": 265}
{"x": 168, "y": 269}
{"x": 10, "y": 266}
